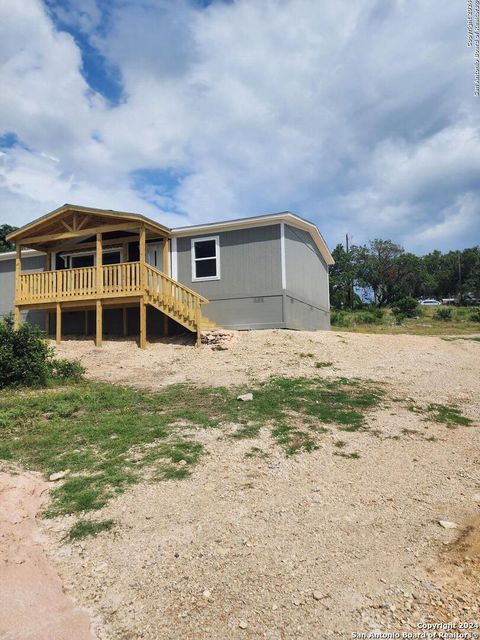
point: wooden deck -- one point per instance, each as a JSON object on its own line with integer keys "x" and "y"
{"x": 108, "y": 284}
{"x": 120, "y": 284}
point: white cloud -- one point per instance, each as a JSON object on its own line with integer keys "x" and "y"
{"x": 358, "y": 115}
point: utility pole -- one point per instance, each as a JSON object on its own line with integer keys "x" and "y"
{"x": 350, "y": 283}
{"x": 459, "y": 278}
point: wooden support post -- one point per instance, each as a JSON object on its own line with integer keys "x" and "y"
{"x": 58, "y": 328}
{"x": 143, "y": 324}
{"x": 85, "y": 320}
{"x": 125, "y": 322}
{"x": 99, "y": 259}
{"x": 99, "y": 324}
{"x": 47, "y": 323}
{"x": 142, "y": 256}
{"x": 99, "y": 305}
{"x": 198, "y": 322}
{"x": 167, "y": 286}
{"x": 18, "y": 272}
{"x": 16, "y": 322}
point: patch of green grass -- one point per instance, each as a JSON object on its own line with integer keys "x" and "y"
{"x": 111, "y": 437}
{"x": 306, "y": 355}
{"x": 84, "y": 528}
{"x": 340, "y": 444}
{"x": 451, "y": 416}
{"x": 93, "y": 429}
{"x": 321, "y": 365}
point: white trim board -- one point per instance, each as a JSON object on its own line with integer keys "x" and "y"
{"x": 282, "y": 256}
{"x": 173, "y": 259}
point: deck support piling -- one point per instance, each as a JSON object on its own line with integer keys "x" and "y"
{"x": 18, "y": 270}
{"x": 58, "y": 327}
{"x": 85, "y": 323}
{"x": 143, "y": 324}
{"x": 16, "y": 321}
{"x": 99, "y": 324}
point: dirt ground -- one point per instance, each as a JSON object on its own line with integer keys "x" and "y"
{"x": 33, "y": 605}
{"x": 304, "y": 547}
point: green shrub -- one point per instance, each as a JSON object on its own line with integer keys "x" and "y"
{"x": 443, "y": 313}
{"x": 406, "y": 307}
{"x": 64, "y": 369}
{"x": 341, "y": 318}
{"x": 475, "y": 316}
{"x": 372, "y": 316}
{"x": 27, "y": 360}
{"x": 25, "y": 356}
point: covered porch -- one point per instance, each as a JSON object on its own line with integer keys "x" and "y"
{"x": 101, "y": 259}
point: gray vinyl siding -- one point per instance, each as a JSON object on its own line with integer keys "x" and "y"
{"x": 303, "y": 316}
{"x": 249, "y": 292}
{"x": 307, "y": 297}
{"x": 249, "y": 263}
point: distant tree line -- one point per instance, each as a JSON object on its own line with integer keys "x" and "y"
{"x": 5, "y": 229}
{"x": 389, "y": 273}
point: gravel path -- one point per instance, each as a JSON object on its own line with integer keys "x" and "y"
{"x": 306, "y": 547}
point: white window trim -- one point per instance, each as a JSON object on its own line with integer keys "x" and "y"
{"x": 217, "y": 257}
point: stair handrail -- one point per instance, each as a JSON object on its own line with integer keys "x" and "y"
{"x": 156, "y": 271}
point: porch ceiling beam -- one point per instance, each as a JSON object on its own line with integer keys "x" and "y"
{"x": 91, "y": 231}
{"x": 89, "y": 245}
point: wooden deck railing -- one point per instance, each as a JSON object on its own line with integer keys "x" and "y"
{"x": 116, "y": 281}
{"x": 168, "y": 294}
{"x": 79, "y": 284}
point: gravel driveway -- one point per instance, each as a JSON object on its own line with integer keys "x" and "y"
{"x": 259, "y": 545}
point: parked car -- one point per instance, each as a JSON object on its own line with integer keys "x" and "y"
{"x": 430, "y": 302}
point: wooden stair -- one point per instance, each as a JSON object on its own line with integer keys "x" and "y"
{"x": 176, "y": 301}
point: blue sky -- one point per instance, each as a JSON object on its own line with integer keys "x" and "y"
{"x": 360, "y": 116}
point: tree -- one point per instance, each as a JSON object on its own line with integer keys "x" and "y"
{"x": 376, "y": 267}
{"x": 5, "y": 229}
{"x": 342, "y": 275}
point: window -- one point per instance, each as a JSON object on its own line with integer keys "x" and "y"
{"x": 206, "y": 258}
{"x": 87, "y": 258}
